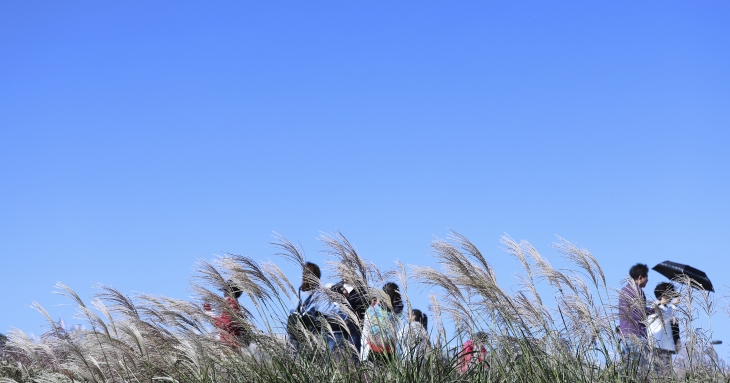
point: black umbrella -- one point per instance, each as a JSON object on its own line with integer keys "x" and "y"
{"x": 675, "y": 271}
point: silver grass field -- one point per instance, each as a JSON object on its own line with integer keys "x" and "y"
{"x": 568, "y": 336}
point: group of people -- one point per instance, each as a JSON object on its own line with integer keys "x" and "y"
{"x": 357, "y": 328}
{"x": 360, "y": 328}
{"x": 378, "y": 330}
{"x": 648, "y": 332}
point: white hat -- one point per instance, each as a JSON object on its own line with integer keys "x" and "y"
{"x": 348, "y": 288}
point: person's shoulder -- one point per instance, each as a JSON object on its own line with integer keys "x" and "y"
{"x": 630, "y": 289}
{"x": 233, "y": 303}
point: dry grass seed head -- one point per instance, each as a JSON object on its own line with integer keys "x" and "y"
{"x": 582, "y": 258}
{"x": 340, "y": 248}
{"x": 514, "y": 249}
{"x": 288, "y": 250}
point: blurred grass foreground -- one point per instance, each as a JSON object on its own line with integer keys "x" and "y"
{"x": 568, "y": 335}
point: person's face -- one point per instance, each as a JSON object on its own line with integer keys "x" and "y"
{"x": 307, "y": 278}
{"x": 412, "y": 316}
{"x": 642, "y": 281}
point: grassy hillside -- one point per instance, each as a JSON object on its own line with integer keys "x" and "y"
{"x": 569, "y": 336}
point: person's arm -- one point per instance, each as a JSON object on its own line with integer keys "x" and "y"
{"x": 321, "y": 303}
{"x": 334, "y": 309}
{"x": 649, "y": 308}
{"x": 365, "y": 347}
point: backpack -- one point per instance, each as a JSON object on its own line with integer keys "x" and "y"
{"x": 382, "y": 337}
{"x": 309, "y": 319}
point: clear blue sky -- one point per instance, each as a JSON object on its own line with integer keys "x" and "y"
{"x": 135, "y": 137}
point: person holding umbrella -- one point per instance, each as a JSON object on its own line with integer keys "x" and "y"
{"x": 633, "y": 313}
{"x": 661, "y": 326}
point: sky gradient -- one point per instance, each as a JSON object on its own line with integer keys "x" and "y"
{"x": 137, "y": 137}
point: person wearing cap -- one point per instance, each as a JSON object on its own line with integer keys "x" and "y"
{"x": 353, "y": 300}
{"x": 359, "y": 304}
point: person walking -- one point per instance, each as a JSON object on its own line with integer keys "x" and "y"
{"x": 473, "y": 352}
{"x": 233, "y": 330}
{"x": 633, "y": 314}
{"x": 660, "y": 326}
{"x": 379, "y": 329}
{"x": 356, "y": 306}
{"x": 413, "y": 340}
{"x": 313, "y": 312}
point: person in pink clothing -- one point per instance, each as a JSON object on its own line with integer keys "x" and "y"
{"x": 474, "y": 351}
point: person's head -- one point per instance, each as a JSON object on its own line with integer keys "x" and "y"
{"x": 640, "y": 274}
{"x": 665, "y": 291}
{"x": 342, "y": 288}
{"x": 232, "y": 290}
{"x": 310, "y": 276}
{"x": 480, "y": 338}
{"x": 347, "y": 290}
{"x": 392, "y": 291}
{"x": 420, "y": 317}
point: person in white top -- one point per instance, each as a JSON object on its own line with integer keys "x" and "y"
{"x": 659, "y": 329}
{"x": 413, "y": 340}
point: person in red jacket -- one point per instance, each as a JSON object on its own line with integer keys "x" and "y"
{"x": 229, "y": 323}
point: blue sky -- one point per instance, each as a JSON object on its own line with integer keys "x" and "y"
{"x": 136, "y": 137}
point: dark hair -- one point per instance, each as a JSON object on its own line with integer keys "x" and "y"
{"x": 420, "y": 318}
{"x": 232, "y": 289}
{"x": 314, "y": 269}
{"x": 396, "y": 302}
{"x": 311, "y": 271}
{"x": 638, "y": 270}
{"x": 664, "y": 288}
{"x": 338, "y": 287}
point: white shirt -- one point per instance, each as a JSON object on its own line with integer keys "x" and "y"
{"x": 659, "y": 327}
{"x": 413, "y": 341}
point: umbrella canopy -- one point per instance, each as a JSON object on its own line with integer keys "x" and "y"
{"x": 674, "y": 270}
